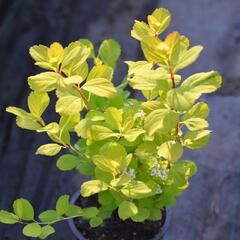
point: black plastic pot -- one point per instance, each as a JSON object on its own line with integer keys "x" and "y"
{"x": 78, "y": 235}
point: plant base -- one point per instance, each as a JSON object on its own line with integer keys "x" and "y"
{"x": 116, "y": 229}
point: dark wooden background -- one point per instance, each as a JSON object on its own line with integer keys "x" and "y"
{"x": 210, "y": 208}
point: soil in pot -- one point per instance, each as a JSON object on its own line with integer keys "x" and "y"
{"x": 116, "y": 229}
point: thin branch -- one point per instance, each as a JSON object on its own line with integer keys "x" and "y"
{"x": 172, "y": 77}
{"x": 82, "y": 96}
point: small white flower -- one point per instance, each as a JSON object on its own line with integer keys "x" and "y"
{"x": 130, "y": 172}
{"x": 159, "y": 190}
{"x": 159, "y": 171}
{"x": 139, "y": 114}
{"x": 163, "y": 174}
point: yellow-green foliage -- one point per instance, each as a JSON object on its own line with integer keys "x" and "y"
{"x": 131, "y": 149}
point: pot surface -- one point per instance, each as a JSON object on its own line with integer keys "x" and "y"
{"x": 79, "y": 236}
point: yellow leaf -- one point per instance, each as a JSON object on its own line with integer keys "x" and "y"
{"x": 37, "y": 103}
{"x": 55, "y": 53}
{"x": 159, "y": 20}
{"x": 141, "y": 30}
{"x": 100, "y": 87}
{"x": 155, "y": 51}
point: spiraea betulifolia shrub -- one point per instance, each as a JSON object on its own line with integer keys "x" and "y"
{"x": 131, "y": 149}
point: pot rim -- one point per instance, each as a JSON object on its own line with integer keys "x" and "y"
{"x": 79, "y": 236}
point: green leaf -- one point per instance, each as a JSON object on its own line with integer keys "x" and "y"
{"x": 90, "y": 212}
{"x": 101, "y": 132}
{"x": 113, "y": 118}
{"x": 50, "y": 149}
{"x": 62, "y": 204}
{"x": 51, "y": 128}
{"x": 194, "y": 124}
{"x": 167, "y": 200}
{"x": 139, "y": 66}
{"x": 162, "y": 120}
{"x": 203, "y": 82}
{"x": 32, "y": 230}
{"x": 146, "y": 149}
{"x": 196, "y": 139}
{"x": 130, "y": 119}
{"x": 183, "y": 98}
{"x": 171, "y": 151}
{"x": 141, "y": 30}
{"x": 27, "y": 123}
{"x": 37, "y": 103}
{"x": 23, "y": 209}
{"x": 24, "y": 119}
{"x": 173, "y": 42}
{"x": 74, "y": 211}
{"x": 102, "y": 176}
{"x": 132, "y": 134}
{"x": 117, "y": 154}
{"x": 101, "y": 87}
{"x": 105, "y": 212}
{"x": 88, "y": 44}
{"x": 148, "y": 80}
{"x": 105, "y": 198}
{"x": 55, "y": 54}
{"x": 179, "y": 177}
{"x": 95, "y": 222}
{"x": 155, "y": 214}
{"x": 141, "y": 216}
{"x": 154, "y": 50}
{"x": 69, "y": 105}
{"x": 69, "y": 122}
{"x": 81, "y": 70}
{"x": 47, "y": 58}
{"x": 137, "y": 190}
{"x": 75, "y": 54}
{"x": 159, "y": 20}
{"x": 82, "y": 128}
{"x": 186, "y": 168}
{"x": 199, "y": 110}
{"x": 124, "y": 179}
{"x": 67, "y": 162}
{"x": 46, "y": 232}
{"x": 188, "y": 57}
{"x": 72, "y": 80}
{"x": 86, "y": 168}
{"x": 101, "y": 71}
{"x": 18, "y": 112}
{"x": 44, "y": 82}
{"x": 39, "y": 53}
{"x": 105, "y": 164}
{"x": 49, "y": 216}
{"x": 91, "y": 187}
{"x": 150, "y": 106}
{"x": 127, "y": 209}
{"x": 109, "y": 52}
{"x": 7, "y": 217}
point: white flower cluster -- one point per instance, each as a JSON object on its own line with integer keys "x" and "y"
{"x": 159, "y": 171}
{"x": 139, "y": 114}
{"x": 131, "y": 172}
{"x": 159, "y": 190}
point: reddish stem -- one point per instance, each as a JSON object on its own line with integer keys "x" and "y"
{"x": 172, "y": 77}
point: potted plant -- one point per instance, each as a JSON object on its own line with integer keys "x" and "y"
{"x": 130, "y": 149}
